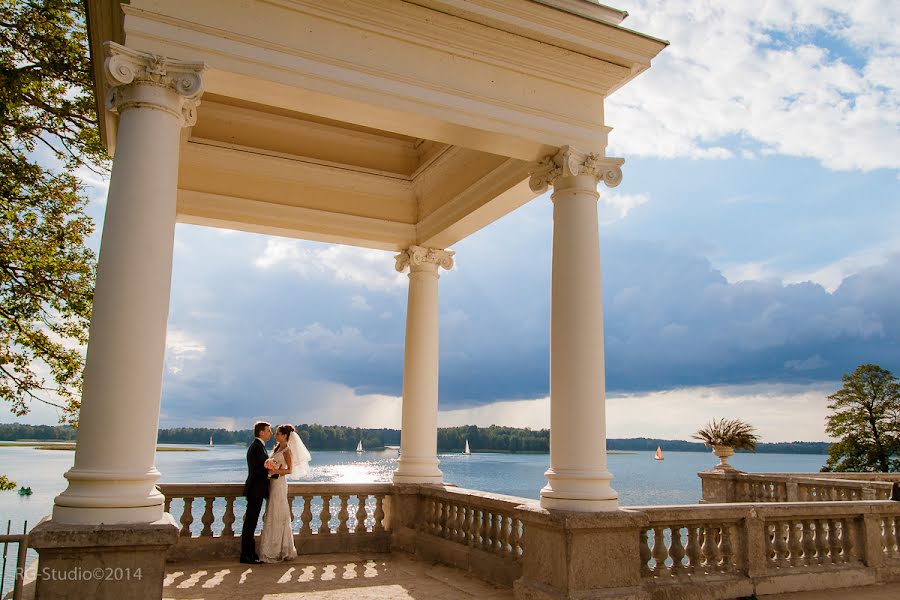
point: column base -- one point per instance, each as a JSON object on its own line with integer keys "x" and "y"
{"x": 102, "y": 562}
{"x": 411, "y": 469}
{"x": 95, "y": 497}
{"x": 579, "y": 491}
{"x": 403, "y": 478}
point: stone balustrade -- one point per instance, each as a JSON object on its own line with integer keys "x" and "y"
{"x": 736, "y": 486}
{"x": 736, "y": 550}
{"x": 476, "y": 531}
{"x": 328, "y": 517}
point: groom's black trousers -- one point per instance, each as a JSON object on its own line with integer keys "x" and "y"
{"x": 255, "y": 489}
{"x": 251, "y": 518}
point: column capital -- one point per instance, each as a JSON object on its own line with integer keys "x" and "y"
{"x": 571, "y": 162}
{"x": 416, "y": 256}
{"x": 172, "y": 86}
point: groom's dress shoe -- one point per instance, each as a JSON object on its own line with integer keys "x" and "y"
{"x": 251, "y": 561}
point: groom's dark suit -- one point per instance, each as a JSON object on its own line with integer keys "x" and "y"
{"x": 255, "y": 489}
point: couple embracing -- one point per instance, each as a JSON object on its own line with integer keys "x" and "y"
{"x": 267, "y": 479}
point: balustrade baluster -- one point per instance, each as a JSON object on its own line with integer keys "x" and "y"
{"x": 361, "y": 514}
{"x": 228, "y": 517}
{"x": 505, "y": 523}
{"x": 692, "y": 549}
{"x": 167, "y": 504}
{"x": 889, "y": 537}
{"x": 477, "y": 527}
{"x": 187, "y": 517}
{"x": 515, "y": 540}
{"x": 291, "y": 508}
{"x": 325, "y": 515}
{"x": 207, "y": 518}
{"x": 491, "y": 536}
{"x": 708, "y": 548}
{"x": 496, "y": 532}
{"x": 771, "y": 554}
{"x": 821, "y": 541}
{"x": 646, "y": 555}
{"x": 453, "y": 522}
{"x": 378, "y": 526}
{"x": 782, "y": 534}
{"x": 660, "y": 552}
{"x": 809, "y": 544}
{"x": 343, "y": 514}
{"x": 443, "y": 523}
{"x": 676, "y": 551}
{"x": 467, "y": 526}
{"x": 848, "y": 539}
{"x": 834, "y": 542}
{"x": 794, "y": 531}
{"x": 306, "y": 516}
{"x": 727, "y": 548}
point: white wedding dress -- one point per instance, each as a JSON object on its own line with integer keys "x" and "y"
{"x": 276, "y": 543}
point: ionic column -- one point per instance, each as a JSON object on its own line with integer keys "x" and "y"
{"x": 578, "y": 478}
{"x": 114, "y": 474}
{"x": 418, "y": 435}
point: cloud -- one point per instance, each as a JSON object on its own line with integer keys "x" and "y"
{"x": 749, "y": 77}
{"x": 372, "y": 269}
{"x": 615, "y": 207}
{"x": 182, "y": 347}
{"x": 780, "y": 412}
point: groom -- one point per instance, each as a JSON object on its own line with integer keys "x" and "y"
{"x": 255, "y": 489}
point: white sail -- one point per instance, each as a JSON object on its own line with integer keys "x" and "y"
{"x": 210, "y": 441}
{"x": 359, "y": 447}
{"x": 467, "y": 451}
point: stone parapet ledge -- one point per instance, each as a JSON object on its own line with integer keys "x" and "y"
{"x": 581, "y": 555}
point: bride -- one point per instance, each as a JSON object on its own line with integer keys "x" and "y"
{"x": 289, "y": 458}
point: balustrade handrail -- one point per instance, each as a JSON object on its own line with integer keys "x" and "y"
{"x": 199, "y": 490}
{"x": 813, "y": 478}
{"x": 743, "y": 510}
{"x": 856, "y": 477}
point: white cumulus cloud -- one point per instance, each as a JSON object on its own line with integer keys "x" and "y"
{"x": 765, "y": 75}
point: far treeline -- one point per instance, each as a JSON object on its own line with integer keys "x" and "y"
{"x": 450, "y": 439}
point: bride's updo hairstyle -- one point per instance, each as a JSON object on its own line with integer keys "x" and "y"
{"x": 286, "y": 430}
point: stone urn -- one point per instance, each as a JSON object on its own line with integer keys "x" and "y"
{"x": 723, "y": 453}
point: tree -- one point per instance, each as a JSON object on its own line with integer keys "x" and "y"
{"x": 49, "y": 130}
{"x": 865, "y": 419}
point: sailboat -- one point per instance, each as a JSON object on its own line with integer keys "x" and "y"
{"x": 359, "y": 447}
{"x": 467, "y": 451}
{"x": 210, "y": 441}
{"x": 659, "y": 455}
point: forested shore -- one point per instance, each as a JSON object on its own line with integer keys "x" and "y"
{"x": 450, "y": 439}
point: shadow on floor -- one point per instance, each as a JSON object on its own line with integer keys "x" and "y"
{"x": 326, "y": 578}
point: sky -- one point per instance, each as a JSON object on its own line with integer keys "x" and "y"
{"x": 750, "y": 256}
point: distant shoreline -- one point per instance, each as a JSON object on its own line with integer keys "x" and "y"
{"x": 493, "y": 439}
{"x": 66, "y": 446}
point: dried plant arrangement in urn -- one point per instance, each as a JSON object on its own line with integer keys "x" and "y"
{"x": 725, "y": 436}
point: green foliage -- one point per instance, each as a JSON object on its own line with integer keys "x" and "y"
{"x": 46, "y": 272}
{"x": 866, "y": 419}
{"x": 733, "y": 433}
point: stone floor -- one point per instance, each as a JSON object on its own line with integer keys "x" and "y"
{"x": 327, "y": 577}
{"x": 872, "y": 592}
